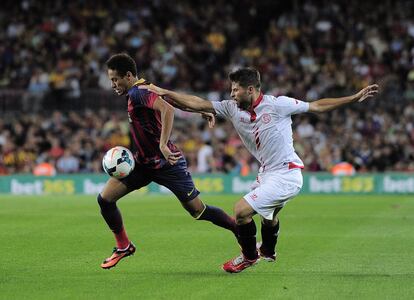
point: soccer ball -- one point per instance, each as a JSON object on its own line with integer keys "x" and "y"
{"x": 118, "y": 162}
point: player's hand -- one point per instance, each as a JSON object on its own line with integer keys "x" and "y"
{"x": 153, "y": 88}
{"x": 171, "y": 157}
{"x": 210, "y": 118}
{"x": 367, "y": 92}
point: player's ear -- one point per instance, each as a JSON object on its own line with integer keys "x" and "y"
{"x": 129, "y": 75}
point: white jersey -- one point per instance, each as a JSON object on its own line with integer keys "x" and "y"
{"x": 266, "y": 131}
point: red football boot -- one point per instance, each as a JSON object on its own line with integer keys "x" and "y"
{"x": 239, "y": 263}
{"x": 117, "y": 255}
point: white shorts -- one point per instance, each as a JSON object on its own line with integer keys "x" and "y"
{"x": 273, "y": 190}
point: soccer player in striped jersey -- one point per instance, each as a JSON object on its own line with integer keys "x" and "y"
{"x": 157, "y": 158}
{"x": 263, "y": 122}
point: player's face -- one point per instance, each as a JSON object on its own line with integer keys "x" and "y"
{"x": 243, "y": 96}
{"x": 119, "y": 84}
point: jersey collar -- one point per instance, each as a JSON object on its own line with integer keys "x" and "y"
{"x": 136, "y": 83}
{"x": 139, "y": 82}
{"x": 254, "y": 105}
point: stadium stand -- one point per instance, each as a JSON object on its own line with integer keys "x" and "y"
{"x": 56, "y": 104}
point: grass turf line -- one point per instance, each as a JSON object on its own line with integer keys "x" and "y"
{"x": 329, "y": 247}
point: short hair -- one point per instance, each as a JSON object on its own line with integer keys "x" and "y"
{"x": 122, "y": 63}
{"x": 246, "y": 77}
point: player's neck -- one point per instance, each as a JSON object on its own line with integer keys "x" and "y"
{"x": 132, "y": 82}
{"x": 256, "y": 95}
{"x": 253, "y": 100}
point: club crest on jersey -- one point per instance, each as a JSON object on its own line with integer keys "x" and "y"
{"x": 266, "y": 118}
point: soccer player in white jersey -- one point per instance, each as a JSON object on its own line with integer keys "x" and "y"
{"x": 264, "y": 125}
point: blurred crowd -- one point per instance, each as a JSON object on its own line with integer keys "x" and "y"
{"x": 75, "y": 142}
{"x": 303, "y": 49}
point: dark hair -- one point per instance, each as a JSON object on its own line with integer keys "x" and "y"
{"x": 246, "y": 77}
{"x": 122, "y": 63}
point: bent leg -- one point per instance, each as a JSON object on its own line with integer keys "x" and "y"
{"x": 246, "y": 228}
{"x": 273, "y": 191}
{"x": 215, "y": 215}
{"x": 112, "y": 192}
{"x": 178, "y": 180}
{"x": 270, "y": 233}
{"x": 114, "y": 189}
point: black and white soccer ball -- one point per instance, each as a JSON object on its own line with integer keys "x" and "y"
{"x": 118, "y": 162}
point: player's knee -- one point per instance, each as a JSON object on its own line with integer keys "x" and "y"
{"x": 196, "y": 213}
{"x": 105, "y": 204}
{"x": 242, "y": 214}
{"x": 270, "y": 223}
{"x": 241, "y": 217}
{"x": 195, "y": 208}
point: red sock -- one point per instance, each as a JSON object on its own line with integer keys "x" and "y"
{"x": 122, "y": 240}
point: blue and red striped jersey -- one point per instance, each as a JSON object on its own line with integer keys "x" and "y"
{"x": 145, "y": 127}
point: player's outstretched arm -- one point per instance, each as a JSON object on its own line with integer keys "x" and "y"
{"x": 327, "y": 104}
{"x": 209, "y": 117}
{"x": 191, "y": 102}
{"x": 176, "y": 105}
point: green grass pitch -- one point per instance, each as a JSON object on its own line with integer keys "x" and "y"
{"x": 330, "y": 247}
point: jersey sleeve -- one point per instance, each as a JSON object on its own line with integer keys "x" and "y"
{"x": 142, "y": 97}
{"x": 224, "y": 108}
{"x": 287, "y": 106}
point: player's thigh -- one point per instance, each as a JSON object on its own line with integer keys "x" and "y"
{"x": 273, "y": 192}
{"x": 114, "y": 189}
{"x": 243, "y": 211}
{"x": 178, "y": 180}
